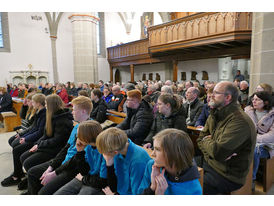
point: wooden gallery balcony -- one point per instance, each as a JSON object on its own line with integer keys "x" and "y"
{"x": 198, "y": 36}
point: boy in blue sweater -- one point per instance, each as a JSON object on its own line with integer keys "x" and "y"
{"x": 125, "y": 162}
{"x": 91, "y": 167}
{"x": 172, "y": 171}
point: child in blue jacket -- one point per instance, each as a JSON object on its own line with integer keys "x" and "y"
{"x": 125, "y": 162}
{"x": 172, "y": 171}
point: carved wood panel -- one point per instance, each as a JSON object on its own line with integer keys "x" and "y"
{"x": 201, "y": 26}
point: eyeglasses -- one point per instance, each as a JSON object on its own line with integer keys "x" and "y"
{"x": 216, "y": 92}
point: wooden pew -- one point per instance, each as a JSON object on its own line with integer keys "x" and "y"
{"x": 268, "y": 173}
{"x": 9, "y": 120}
{"x": 116, "y": 117}
{"x": 193, "y": 133}
{"x": 12, "y": 119}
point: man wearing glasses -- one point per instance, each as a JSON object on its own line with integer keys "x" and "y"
{"x": 227, "y": 142}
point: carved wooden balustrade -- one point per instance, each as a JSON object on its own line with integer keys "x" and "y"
{"x": 199, "y": 29}
{"x": 201, "y": 35}
{"x": 132, "y": 51}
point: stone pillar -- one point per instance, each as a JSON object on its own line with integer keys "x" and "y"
{"x": 132, "y": 72}
{"x": 54, "y": 59}
{"x": 85, "y": 47}
{"x": 175, "y": 70}
{"x": 262, "y": 50}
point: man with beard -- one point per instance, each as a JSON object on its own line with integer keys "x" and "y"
{"x": 227, "y": 142}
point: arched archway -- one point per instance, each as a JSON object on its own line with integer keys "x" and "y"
{"x": 42, "y": 79}
{"x": 117, "y": 76}
{"x": 16, "y": 80}
{"x": 144, "y": 77}
{"x": 31, "y": 79}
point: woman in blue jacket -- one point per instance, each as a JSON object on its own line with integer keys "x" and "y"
{"x": 172, "y": 171}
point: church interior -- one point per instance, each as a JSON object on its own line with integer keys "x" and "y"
{"x": 86, "y": 47}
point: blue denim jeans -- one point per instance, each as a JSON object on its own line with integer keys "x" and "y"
{"x": 259, "y": 152}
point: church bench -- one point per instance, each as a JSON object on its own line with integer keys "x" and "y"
{"x": 194, "y": 133}
{"x": 116, "y": 117}
{"x": 10, "y": 121}
{"x": 268, "y": 173}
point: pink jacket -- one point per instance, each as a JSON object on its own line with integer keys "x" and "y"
{"x": 265, "y": 127}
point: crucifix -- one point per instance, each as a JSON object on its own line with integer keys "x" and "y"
{"x": 30, "y": 68}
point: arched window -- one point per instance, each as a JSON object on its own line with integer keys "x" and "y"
{"x": 4, "y": 33}
{"x": 101, "y": 50}
{"x": 1, "y": 33}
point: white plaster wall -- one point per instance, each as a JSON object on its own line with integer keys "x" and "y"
{"x": 209, "y": 65}
{"x": 149, "y": 68}
{"x": 30, "y": 44}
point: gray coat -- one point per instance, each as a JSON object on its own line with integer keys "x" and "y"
{"x": 196, "y": 108}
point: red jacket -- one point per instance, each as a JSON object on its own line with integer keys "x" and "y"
{"x": 14, "y": 93}
{"x": 64, "y": 96}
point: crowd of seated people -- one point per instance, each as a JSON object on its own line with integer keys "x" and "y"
{"x": 50, "y": 156}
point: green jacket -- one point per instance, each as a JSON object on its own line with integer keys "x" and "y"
{"x": 232, "y": 135}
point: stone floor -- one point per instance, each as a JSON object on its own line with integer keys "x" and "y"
{"x": 7, "y": 167}
{"x": 6, "y": 164}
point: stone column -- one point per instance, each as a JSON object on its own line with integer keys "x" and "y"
{"x": 84, "y": 47}
{"x": 53, "y": 21}
{"x": 54, "y": 59}
{"x": 262, "y": 50}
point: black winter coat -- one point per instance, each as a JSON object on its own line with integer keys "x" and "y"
{"x": 36, "y": 130}
{"x": 62, "y": 126}
{"x": 176, "y": 120}
{"x": 138, "y": 122}
{"x": 23, "y": 111}
{"x": 5, "y": 102}
{"x": 99, "y": 111}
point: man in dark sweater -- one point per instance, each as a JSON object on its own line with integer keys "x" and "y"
{"x": 116, "y": 99}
